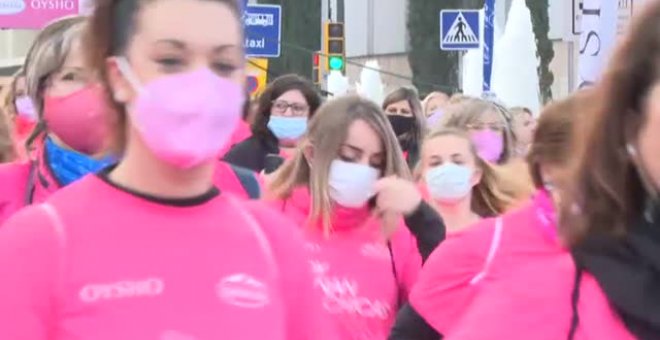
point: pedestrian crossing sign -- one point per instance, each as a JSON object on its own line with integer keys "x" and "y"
{"x": 460, "y": 30}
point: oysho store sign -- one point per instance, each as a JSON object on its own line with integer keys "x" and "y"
{"x": 35, "y": 14}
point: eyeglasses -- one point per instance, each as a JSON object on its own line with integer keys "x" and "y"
{"x": 280, "y": 107}
{"x": 497, "y": 127}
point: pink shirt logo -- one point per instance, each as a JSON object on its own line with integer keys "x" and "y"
{"x": 35, "y": 14}
{"x": 244, "y": 291}
{"x": 121, "y": 290}
{"x": 174, "y": 335}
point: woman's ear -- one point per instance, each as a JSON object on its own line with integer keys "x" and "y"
{"x": 122, "y": 91}
{"x": 477, "y": 174}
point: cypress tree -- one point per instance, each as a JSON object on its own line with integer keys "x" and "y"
{"x": 432, "y": 68}
{"x": 544, "y": 48}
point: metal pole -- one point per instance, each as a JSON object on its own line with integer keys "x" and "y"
{"x": 370, "y": 27}
{"x": 571, "y": 66}
{"x": 333, "y": 10}
{"x": 460, "y": 70}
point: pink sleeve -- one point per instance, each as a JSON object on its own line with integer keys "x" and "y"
{"x": 443, "y": 289}
{"x": 305, "y": 319}
{"x": 29, "y": 251}
{"x": 407, "y": 259}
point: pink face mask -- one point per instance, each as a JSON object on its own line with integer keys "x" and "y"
{"x": 489, "y": 144}
{"x": 79, "y": 119}
{"x": 185, "y": 119}
{"x": 25, "y": 108}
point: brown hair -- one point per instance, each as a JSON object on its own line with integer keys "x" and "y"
{"x": 553, "y": 137}
{"x": 607, "y": 189}
{"x": 490, "y": 197}
{"x": 274, "y": 90}
{"x": 410, "y": 96}
{"x": 326, "y": 133}
{"x": 111, "y": 28}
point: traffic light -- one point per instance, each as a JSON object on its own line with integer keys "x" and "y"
{"x": 316, "y": 68}
{"x": 334, "y": 44}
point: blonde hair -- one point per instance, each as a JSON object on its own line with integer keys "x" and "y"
{"x": 326, "y": 133}
{"x": 430, "y": 97}
{"x": 495, "y": 193}
{"x": 469, "y": 110}
{"x": 46, "y": 57}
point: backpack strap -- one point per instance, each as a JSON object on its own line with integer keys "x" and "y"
{"x": 248, "y": 181}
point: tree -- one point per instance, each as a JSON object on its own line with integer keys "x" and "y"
{"x": 432, "y": 68}
{"x": 301, "y": 35}
{"x": 544, "y": 48}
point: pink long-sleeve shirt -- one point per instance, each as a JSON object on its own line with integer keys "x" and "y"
{"x": 515, "y": 283}
{"x": 361, "y": 282}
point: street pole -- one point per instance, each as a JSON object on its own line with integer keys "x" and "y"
{"x": 334, "y": 7}
{"x": 370, "y": 27}
{"x": 571, "y": 66}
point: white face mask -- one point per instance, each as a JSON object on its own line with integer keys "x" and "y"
{"x": 351, "y": 184}
{"x": 449, "y": 182}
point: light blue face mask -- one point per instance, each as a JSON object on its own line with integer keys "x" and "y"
{"x": 287, "y": 128}
{"x": 449, "y": 182}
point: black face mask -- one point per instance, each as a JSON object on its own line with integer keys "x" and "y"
{"x": 401, "y": 124}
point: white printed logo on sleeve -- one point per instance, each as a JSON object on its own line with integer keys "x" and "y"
{"x": 121, "y": 290}
{"x": 244, "y": 291}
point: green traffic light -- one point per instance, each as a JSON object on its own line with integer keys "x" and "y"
{"x": 336, "y": 63}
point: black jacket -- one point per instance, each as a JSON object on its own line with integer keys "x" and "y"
{"x": 252, "y": 152}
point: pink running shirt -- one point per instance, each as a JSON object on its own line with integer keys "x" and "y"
{"x": 353, "y": 268}
{"x": 96, "y": 262}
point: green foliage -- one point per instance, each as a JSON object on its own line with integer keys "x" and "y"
{"x": 301, "y": 33}
{"x": 432, "y": 68}
{"x": 544, "y": 49}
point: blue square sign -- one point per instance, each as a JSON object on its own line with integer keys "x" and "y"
{"x": 460, "y": 30}
{"x": 263, "y": 30}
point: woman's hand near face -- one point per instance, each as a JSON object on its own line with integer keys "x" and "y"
{"x": 396, "y": 195}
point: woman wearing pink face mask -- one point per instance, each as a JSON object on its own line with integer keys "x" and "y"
{"x": 18, "y": 106}
{"x": 434, "y": 106}
{"x": 149, "y": 248}
{"x": 68, "y": 140}
{"x": 348, "y": 188}
{"x": 487, "y": 125}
